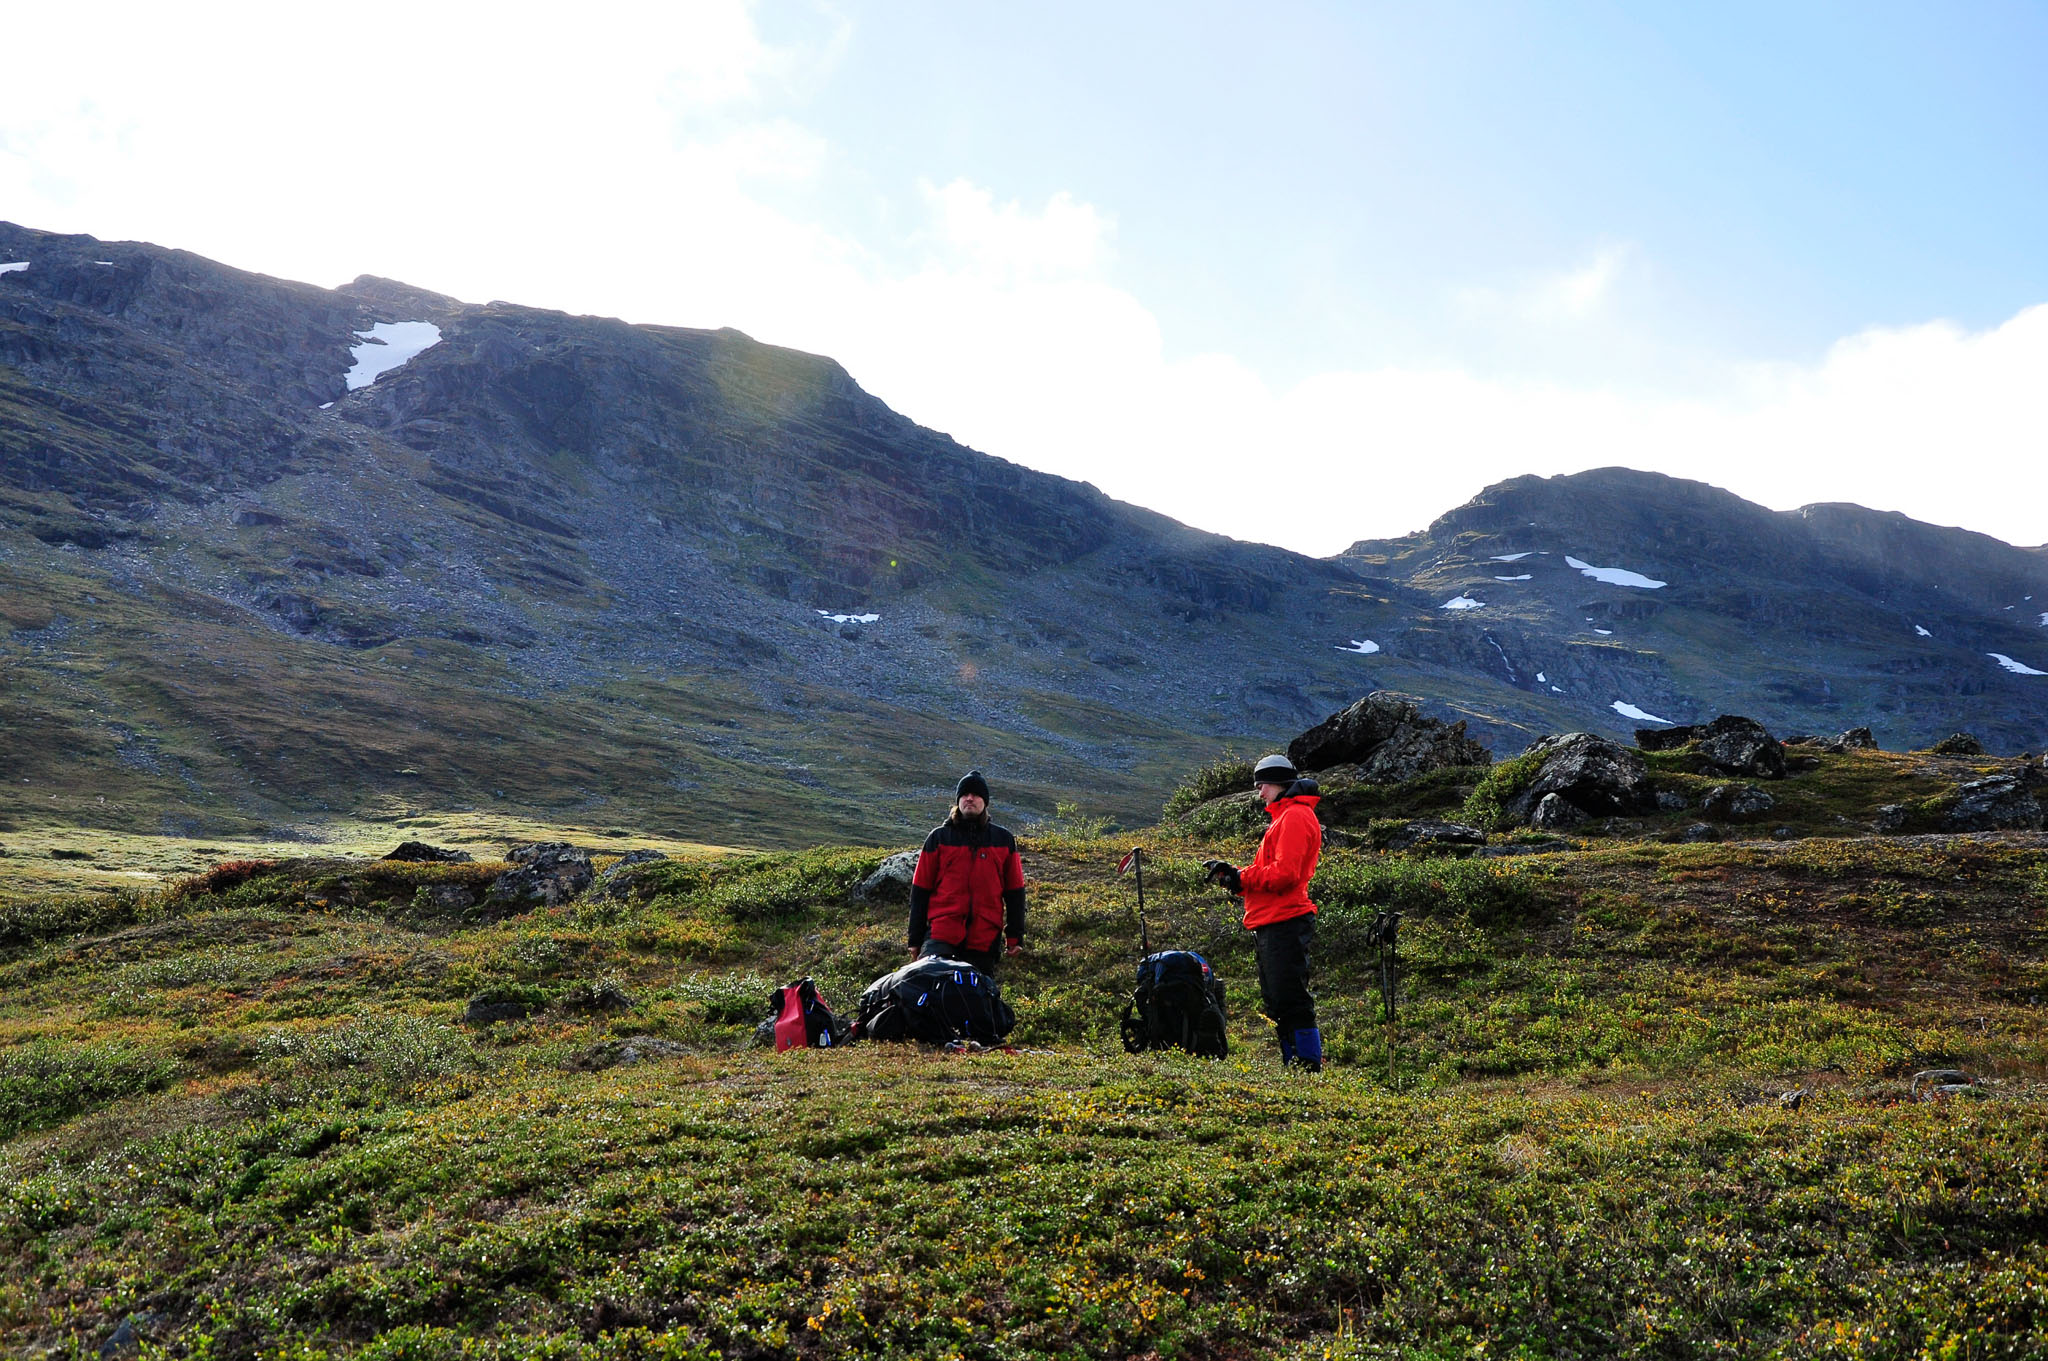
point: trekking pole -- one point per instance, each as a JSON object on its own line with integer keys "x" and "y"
{"x": 1135, "y": 862}
{"x": 1382, "y": 935}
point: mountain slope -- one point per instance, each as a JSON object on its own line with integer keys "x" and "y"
{"x": 1688, "y": 602}
{"x": 618, "y": 572}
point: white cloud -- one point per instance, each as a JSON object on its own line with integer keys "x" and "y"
{"x": 636, "y": 162}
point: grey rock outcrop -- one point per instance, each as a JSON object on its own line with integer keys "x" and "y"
{"x": 419, "y": 852}
{"x": 1737, "y": 802}
{"x": 1432, "y": 832}
{"x": 618, "y": 878}
{"x": 1554, "y": 813}
{"x": 1733, "y": 745}
{"x": 1665, "y": 739}
{"x": 890, "y": 880}
{"x": 1997, "y": 803}
{"x": 1387, "y": 736}
{"x": 1959, "y": 744}
{"x": 1589, "y": 772}
{"x": 550, "y": 873}
{"x": 1856, "y": 739}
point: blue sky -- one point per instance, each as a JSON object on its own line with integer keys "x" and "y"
{"x": 1395, "y": 252}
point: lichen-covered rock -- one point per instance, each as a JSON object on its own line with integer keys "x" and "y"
{"x": 1431, "y": 832}
{"x": 1387, "y": 736}
{"x": 1733, "y": 745}
{"x": 1593, "y": 774}
{"x": 617, "y": 880}
{"x": 891, "y": 879}
{"x": 1554, "y": 813}
{"x": 1855, "y": 739}
{"x": 1736, "y": 802}
{"x": 1998, "y": 803}
{"x": 1959, "y": 744}
{"x": 550, "y": 873}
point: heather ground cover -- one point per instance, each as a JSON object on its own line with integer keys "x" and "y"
{"x": 246, "y": 1118}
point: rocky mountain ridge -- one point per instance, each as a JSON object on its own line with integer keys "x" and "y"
{"x": 612, "y": 570}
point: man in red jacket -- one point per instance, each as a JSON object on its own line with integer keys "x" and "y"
{"x": 1277, "y": 909}
{"x": 967, "y": 892}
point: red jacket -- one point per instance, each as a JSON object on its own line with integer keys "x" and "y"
{"x": 1276, "y": 882}
{"x": 966, "y": 884}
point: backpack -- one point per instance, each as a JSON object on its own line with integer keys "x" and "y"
{"x": 935, "y": 1001}
{"x": 800, "y": 1018}
{"x": 1178, "y": 1004}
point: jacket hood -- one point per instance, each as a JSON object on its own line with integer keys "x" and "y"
{"x": 1307, "y": 793}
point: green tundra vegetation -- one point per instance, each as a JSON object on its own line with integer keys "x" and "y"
{"x": 243, "y": 1115}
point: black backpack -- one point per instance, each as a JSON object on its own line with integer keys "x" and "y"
{"x": 935, "y": 1001}
{"x": 1178, "y": 1004}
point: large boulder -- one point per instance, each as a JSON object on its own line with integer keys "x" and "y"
{"x": 1589, "y": 772}
{"x": 1999, "y": 803}
{"x": 419, "y": 852}
{"x": 891, "y": 879}
{"x": 617, "y": 881}
{"x": 550, "y": 873}
{"x": 1733, "y": 745}
{"x": 1555, "y": 813}
{"x": 1736, "y": 802}
{"x": 1856, "y": 739}
{"x": 1433, "y": 832}
{"x": 1388, "y": 738}
{"x": 1959, "y": 744}
{"x": 1665, "y": 739}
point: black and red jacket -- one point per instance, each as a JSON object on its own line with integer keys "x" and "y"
{"x": 968, "y": 888}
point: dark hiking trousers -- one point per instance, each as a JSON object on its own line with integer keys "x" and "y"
{"x": 984, "y": 960}
{"x": 1283, "y": 973}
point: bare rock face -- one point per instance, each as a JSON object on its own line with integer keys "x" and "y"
{"x": 2000, "y": 803}
{"x": 1736, "y": 802}
{"x": 1589, "y": 772}
{"x": 1387, "y": 736}
{"x": 1734, "y": 745}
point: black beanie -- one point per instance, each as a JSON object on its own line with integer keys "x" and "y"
{"x": 973, "y": 782}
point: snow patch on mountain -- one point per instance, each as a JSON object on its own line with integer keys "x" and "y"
{"x": 1631, "y": 711}
{"x": 1463, "y": 602}
{"x": 13, "y": 265}
{"x": 1364, "y": 647}
{"x": 1925, "y": 634}
{"x": 1524, "y": 577}
{"x": 387, "y": 345}
{"x": 1615, "y": 576}
{"x": 850, "y": 618}
{"x": 1511, "y": 557}
{"x": 2017, "y": 668}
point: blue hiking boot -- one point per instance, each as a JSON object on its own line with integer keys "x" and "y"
{"x": 1308, "y": 1047}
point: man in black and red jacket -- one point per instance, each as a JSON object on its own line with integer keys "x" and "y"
{"x": 967, "y": 893}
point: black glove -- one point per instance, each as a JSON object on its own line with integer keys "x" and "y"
{"x": 1224, "y": 873}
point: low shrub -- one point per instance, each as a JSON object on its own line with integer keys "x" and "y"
{"x": 395, "y": 1052}
{"x": 1485, "y": 891}
{"x": 1229, "y": 773}
{"x": 45, "y": 1083}
{"x": 1486, "y": 807}
{"x": 222, "y": 877}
